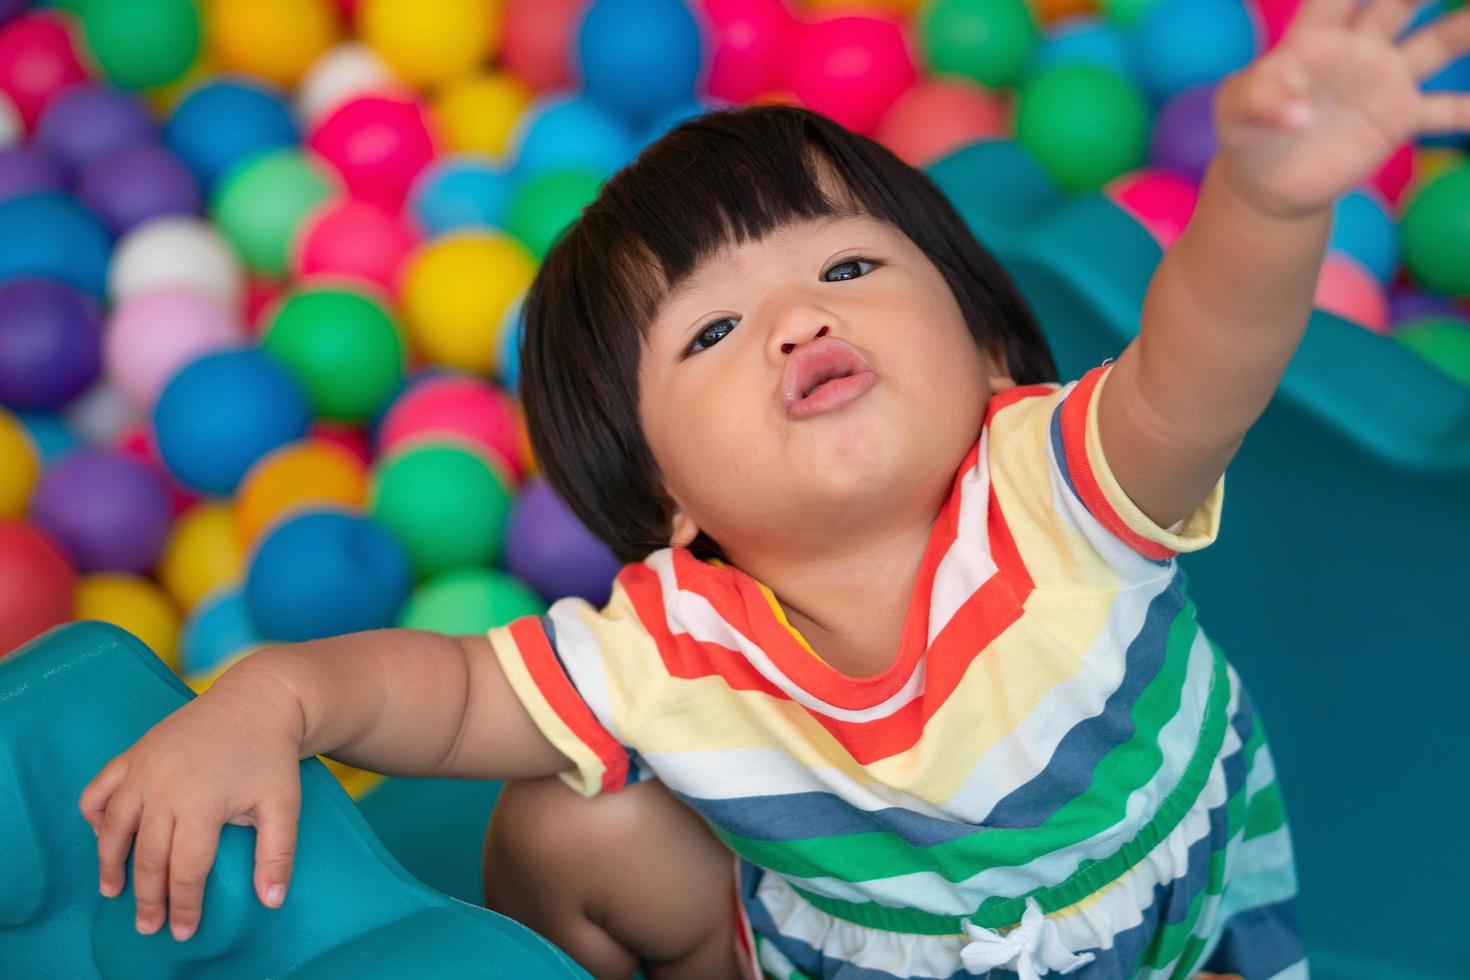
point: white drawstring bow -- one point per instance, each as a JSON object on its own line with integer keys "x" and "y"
{"x": 1032, "y": 947}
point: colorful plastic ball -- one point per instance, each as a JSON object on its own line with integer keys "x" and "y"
{"x": 262, "y": 203}
{"x": 1346, "y": 288}
{"x": 202, "y": 553}
{"x": 851, "y": 68}
{"x": 468, "y": 602}
{"x": 639, "y": 57}
{"x": 512, "y": 331}
{"x": 87, "y": 122}
{"x": 453, "y": 408}
{"x": 172, "y": 252}
{"x": 106, "y": 510}
{"x": 378, "y": 144}
{"x": 939, "y": 115}
{"x": 674, "y": 117}
{"x": 20, "y": 466}
{"x": 1084, "y": 41}
{"x": 1443, "y": 341}
{"x": 571, "y": 133}
{"x": 747, "y": 46}
{"x": 1395, "y": 175}
{"x": 1406, "y": 302}
{"x": 987, "y": 40}
{"x": 151, "y": 336}
{"x": 349, "y": 70}
{"x": 50, "y": 434}
{"x": 455, "y": 292}
{"x": 1436, "y": 232}
{"x": 142, "y": 44}
{"x": 427, "y": 42}
{"x": 37, "y": 584}
{"x": 547, "y": 204}
{"x": 1085, "y": 125}
{"x": 461, "y": 192}
{"x": 1363, "y": 228}
{"x": 224, "y": 411}
{"x": 354, "y": 240}
{"x": 552, "y": 551}
{"x": 1274, "y": 16}
{"x": 1182, "y": 43}
{"x": 342, "y": 346}
{"x": 50, "y": 343}
{"x": 218, "y": 628}
{"x": 276, "y": 40}
{"x": 259, "y": 121}
{"x": 1184, "y": 138}
{"x": 135, "y": 604}
{"x": 1160, "y": 200}
{"x": 323, "y": 573}
{"x": 445, "y": 503}
{"x": 138, "y": 183}
{"x": 307, "y": 475}
{"x": 28, "y": 170}
{"x": 538, "y": 41}
{"x": 52, "y": 235}
{"x": 38, "y": 61}
{"x": 478, "y": 113}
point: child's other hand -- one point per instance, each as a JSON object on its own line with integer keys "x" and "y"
{"x": 1316, "y": 115}
{"x": 221, "y": 758}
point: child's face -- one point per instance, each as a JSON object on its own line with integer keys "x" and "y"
{"x": 753, "y": 478}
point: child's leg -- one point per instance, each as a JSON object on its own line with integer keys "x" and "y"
{"x": 618, "y": 881}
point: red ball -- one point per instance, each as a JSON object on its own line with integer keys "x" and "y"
{"x": 37, "y": 584}
{"x": 1345, "y": 287}
{"x": 38, "y": 61}
{"x": 456, "y": 408}
{"x": 939, "y": 115}
{"x": 537, "y": 39}
{"x": 378, "y": 144}
{"x": 355, "y": 240}
{"x": 850, "y": 68}
{"x": 746, "y": 40}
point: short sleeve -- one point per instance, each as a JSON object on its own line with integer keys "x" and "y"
{"x": 587, "y": 677}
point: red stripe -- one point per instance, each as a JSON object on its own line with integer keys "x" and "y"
{"x": 547, "y": 673}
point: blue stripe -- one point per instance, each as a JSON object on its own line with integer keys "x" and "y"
{"x": 801, "y": 816}
{"x": 1260, "y": 941}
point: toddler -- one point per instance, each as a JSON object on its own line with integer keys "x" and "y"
{"x": 900, "y": 677}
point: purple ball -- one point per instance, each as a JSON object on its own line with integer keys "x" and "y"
{"x": 89, "y": 121}
{"x": 9, "y": 8}
{"x": 27, "y": 170}
{"x": 106, "y": 509}
{"x": 1407, "y": 303}
{"x": 549, "y": 549}
{"x": 137, "y": 182}
{"x": 1184, "y": 133}
{"x": 50, "y": 343}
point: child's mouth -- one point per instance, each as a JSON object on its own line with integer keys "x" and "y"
{"x": 832, "y": 394}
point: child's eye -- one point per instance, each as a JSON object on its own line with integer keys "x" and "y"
{"x": 849, "y": 269}
{"x": 711, "y": 330}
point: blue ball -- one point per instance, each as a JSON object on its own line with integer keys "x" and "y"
{"x": 1180, "y": 43}
{"x": 224, "y": 411}
{"x": 1362, "y": 228}
{"x": 673, "y": 117}
{"x": 510, "y": 346}
{"x": 52, "y": 235}
{"x": 223, "y": 123}
{"x": 1085, "y": 41}
{"x": 324, "y": 573}
{"x": 640, "y": 58}
{"x": 573, "y": 133}
{"x": 459, "y": 192}
{"x": 50, "y": 433}
{"x": 216, "y": 630}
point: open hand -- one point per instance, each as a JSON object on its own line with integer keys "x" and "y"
{"x": 1320, "y": 112}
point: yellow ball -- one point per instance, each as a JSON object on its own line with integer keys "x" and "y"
{"x": 20, "y": 466}
{"x": 202, "y": 553}
{"x": 135, "y": 604}
{"x": 456, "y": 290}
{"x": 277, "y": 40}
{"x": 309, "y": 473}
{"x": 428, "y": 42}
{"x": 476, "y": 114}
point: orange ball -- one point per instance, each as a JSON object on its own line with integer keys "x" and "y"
{"x": 309, "y": 473}
{"x": 939, "y": 115}
{"x": 1050, "y": 10}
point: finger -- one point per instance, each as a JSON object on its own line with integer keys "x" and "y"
{"x": 93, "y": 801}
{"x": 1436, "y": 44}
{"x": 1444, "y": 113}
{"x": 1387, "y": 17}
{"x": 1320, "y": 12}
{"x": 150, "y": 866}
{"x": 196, "y": 841}
{"x": 1268, "y": 98}
{"x": 118, "y": 825}
{"x": 275, "y": 848}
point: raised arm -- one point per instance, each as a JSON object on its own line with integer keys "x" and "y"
{"x": 1230, "y": 301}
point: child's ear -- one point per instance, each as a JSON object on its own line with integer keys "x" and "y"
{"x": 684, "y": 530}
{"x": 999, "y": 384}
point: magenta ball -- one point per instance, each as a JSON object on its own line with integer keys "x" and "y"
{"x": 154, "y": 334}
{"x": 1161, "y": 201}
{"x": 355, "y": 240}
{"x": 458, "y": 408}
{"x": 850, "y": 67}
{"x": 1184, "y": 137}
{"x": 50, "y": 343}
{"x": 378, "y": 144}
{"x": 549, "y": 549}
{"x": 137, "y": 182}
{"x": 106, "y": 510}
{"x": 747, "y": 44}
{"x": 27, "y": 170}
{"x": 90, "y": 121}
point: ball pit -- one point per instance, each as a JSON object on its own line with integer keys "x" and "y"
{"x": 342, "y": 346}
{"x": 260, "y": 121}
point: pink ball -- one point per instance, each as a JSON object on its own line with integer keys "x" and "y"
{"x": 849, "y": 67}
{"x": 378, "y": 144}
{"x": 459, "y": 408}
{"x": 939, "y": 115}
{"x": 746, "y": 40}
{"x": 536, "y": 41}
{"x": 1346, "y": 288}
{"x": 1160, "y": 200}
{"x": 1274, "y": 16}
{"x": 38, "y": 60}
{"x": 354, "y": 239}
{"x": 152, "y": 335}
{"x": 1397, "y": 172}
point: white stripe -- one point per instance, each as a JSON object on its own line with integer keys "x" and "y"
{"x": 967, "y": 564}
{"x": 581, "y": 654}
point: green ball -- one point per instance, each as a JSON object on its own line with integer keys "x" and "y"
{"x": 445, "y": 503}
{"x": 469, "y": 602}
{"x": 342, "y": 346}
{"x": 260, "y": 205}
{"x": 1443, "y": 341}
{"x": 1084, "y": 124}
{"x": 143, "y": 43}
{"x": 987, "y": 40}
{"x": 1126, "y": 13}
{"x": 547, "y": 204}
{"x": 1436, "y": 233}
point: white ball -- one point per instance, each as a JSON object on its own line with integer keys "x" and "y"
{"x": 346, "y": 71}
{"x": 176, "y": 251}
{"x": 12, "y": 130}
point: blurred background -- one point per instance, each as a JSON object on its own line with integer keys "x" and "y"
{"x": 261, "y": 264}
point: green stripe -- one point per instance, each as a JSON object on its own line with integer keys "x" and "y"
{"x": 1267, "y": 811}
{"x": 1121, "y": 772}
